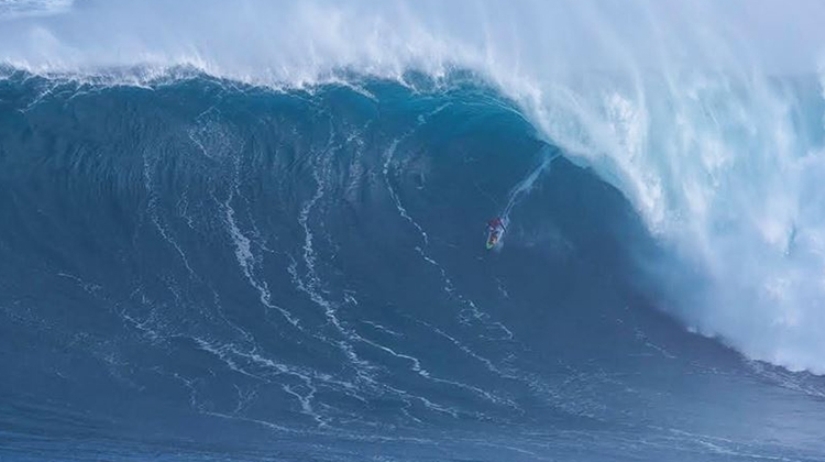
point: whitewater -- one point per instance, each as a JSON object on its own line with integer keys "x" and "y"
{"x": 255, "y": 230}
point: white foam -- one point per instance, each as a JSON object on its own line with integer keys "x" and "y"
{"x": 232, "y": 357}
{"x": 149, "y": 166}
{"x": 217, "y": 143}
{"x": 394, "y": 195}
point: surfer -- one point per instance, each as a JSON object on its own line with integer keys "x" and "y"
{"x": 495, "y": 229}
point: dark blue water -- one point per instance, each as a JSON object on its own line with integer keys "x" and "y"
{"x": 201, "y": 270}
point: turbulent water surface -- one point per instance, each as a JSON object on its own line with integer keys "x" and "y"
{"x": 275, "y": 251}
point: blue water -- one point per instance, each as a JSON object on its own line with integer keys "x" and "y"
{"x": 198, "y": 269}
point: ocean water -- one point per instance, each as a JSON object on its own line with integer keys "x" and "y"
{"x": 265, "y": 240}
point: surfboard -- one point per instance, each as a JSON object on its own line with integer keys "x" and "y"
{"x": 493, "y": 238}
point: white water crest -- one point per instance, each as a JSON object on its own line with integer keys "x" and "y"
{"x": 708, "y": 116}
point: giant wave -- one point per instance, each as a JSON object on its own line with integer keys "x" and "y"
{"x": 278, "y": 246}
{"x": 697, "y": 113}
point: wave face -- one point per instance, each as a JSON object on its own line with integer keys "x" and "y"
{"x": 257, "y": 231}
{"x": 225, "y": 269}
